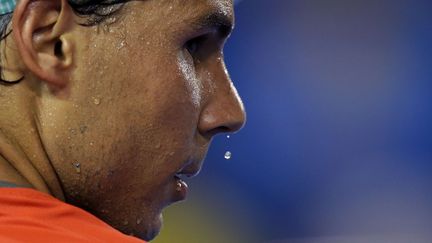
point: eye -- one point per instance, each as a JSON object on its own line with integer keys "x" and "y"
{"x": 194, "y": 45}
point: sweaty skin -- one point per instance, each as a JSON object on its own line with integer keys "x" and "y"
{"x": 107, "y": 115}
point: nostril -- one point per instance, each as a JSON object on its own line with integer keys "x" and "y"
{"x": 227, "y": 128}
{"x": 217, "y": 130}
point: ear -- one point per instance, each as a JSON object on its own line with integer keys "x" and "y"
{"x": 40, "y": 31}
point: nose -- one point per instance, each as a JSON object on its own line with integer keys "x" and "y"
{"x": 224, "y": 111}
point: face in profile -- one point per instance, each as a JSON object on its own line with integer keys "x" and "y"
{"x": 148, "y": 91}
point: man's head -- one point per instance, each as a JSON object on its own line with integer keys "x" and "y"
{"x": 125, "y": 98}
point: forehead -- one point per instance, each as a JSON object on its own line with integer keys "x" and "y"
{"x": 222, "y": 5}
{"x": 193, "y": 8}
{"x": 177, "y": 18}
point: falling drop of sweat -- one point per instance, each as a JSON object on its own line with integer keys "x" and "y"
{"x": 228, "y": 153}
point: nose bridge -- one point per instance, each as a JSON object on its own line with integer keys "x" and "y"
{"x": 237, "y": 106}
{"x": 224, "y": 111}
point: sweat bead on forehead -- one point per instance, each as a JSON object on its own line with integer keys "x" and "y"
{"x": 125, "y": 103}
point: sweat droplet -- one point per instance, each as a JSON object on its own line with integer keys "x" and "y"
{"x": 179, "y": 187}
{"x": 77, "y": 167}
{"x": 121, "y": 44}
{"x": 228, "y": 155}
{"x": 96, "y": 101}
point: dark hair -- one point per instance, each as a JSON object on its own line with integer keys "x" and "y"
{"x": 93, "y": 11}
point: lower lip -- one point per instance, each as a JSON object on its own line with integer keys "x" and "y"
{"x": 181, "y": 189}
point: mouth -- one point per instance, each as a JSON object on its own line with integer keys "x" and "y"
{"x": 181, "y": 187}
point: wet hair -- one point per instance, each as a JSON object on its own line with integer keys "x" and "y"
{"x": 93, "y": 12}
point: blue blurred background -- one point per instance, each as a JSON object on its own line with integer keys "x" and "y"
{"x": 339, "y": 134}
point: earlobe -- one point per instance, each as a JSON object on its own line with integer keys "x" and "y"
{"x": 40, "y": 30}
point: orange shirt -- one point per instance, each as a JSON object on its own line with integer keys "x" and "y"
{"x": 27, "y": 215}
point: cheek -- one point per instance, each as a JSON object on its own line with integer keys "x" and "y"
{"x": 192, "y": 83}
{"x": 138, "y": 125}
{"x": 164, "y": 91}
{"x": 140, "y": 104}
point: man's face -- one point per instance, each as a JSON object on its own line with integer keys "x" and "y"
{"x": 148, "y": 92}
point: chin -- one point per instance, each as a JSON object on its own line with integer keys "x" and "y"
{"x": 148, "y": 231}
{"x": 148, "y": 236}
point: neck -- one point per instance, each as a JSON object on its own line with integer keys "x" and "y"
{"x": 23, "y": 160}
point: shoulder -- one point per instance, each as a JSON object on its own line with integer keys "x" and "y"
{"x": 28, "y": 215}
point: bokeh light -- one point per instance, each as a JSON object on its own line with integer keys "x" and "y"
{"x": 338, "y": 143}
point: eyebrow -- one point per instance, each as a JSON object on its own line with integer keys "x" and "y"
{"x": 216, "y": 20}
